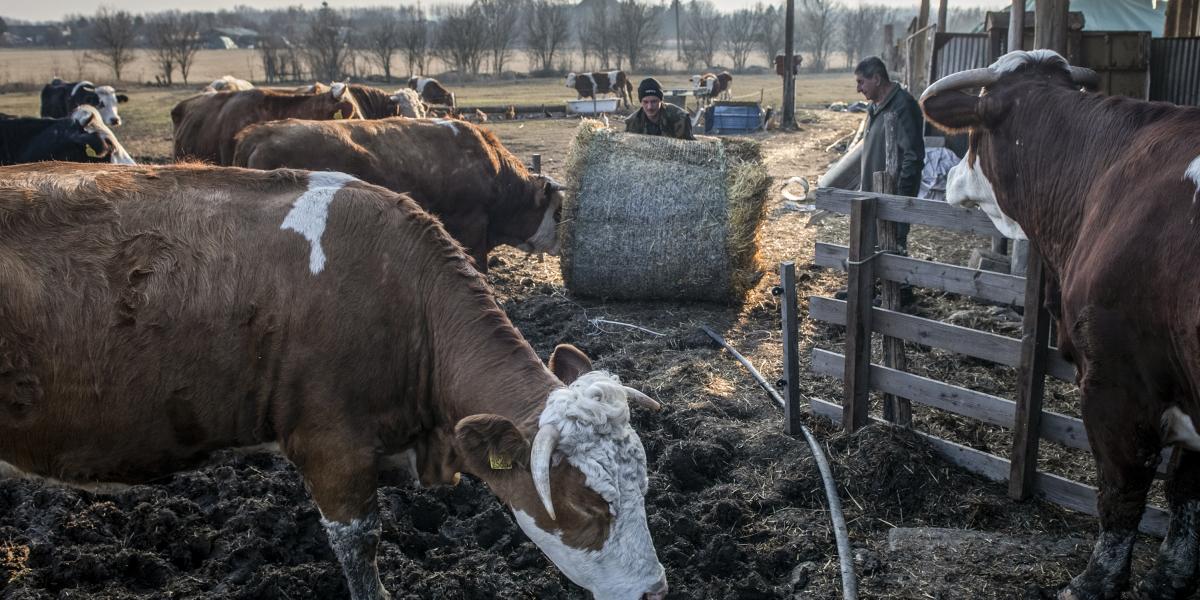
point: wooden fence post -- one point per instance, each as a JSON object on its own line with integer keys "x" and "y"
{"x": 1031, "y": 379}
{"x": 895, "y": 408}
{"x": 791, "y": 348}
{"x": 537, "y": 164}
{"x": 860, "y": 289}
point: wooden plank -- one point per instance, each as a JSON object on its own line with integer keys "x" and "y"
{"x": 903, "y": 209}
{"x": 791, "y": 349}
{"x": 1059, "y": 490}
{"x": 994, "y": 410}
{"x": 860, "y": 288}
{"x": 896, "y": 409}
{"x": 1031, "y": 381}
{"x": 935, "y": 334}
{"x": 986, "y": 285}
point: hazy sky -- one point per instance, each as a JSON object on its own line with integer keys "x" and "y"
{"x": 32, "y": 10}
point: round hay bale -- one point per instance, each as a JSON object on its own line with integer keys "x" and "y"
{"x": 649, "y": 217}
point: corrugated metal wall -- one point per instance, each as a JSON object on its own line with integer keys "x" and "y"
{"x": 1175, "y": 70}
{"x": 963, "y": 51}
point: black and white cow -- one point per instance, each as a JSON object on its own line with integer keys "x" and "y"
{"x": 59, "y": 98}
{"x": 82, "y": 137}
{"x": 590, "y": 85}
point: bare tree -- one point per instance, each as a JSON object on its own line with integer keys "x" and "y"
{"x": 817, "y": 25}
{"x": 460, "y": 38}
{"x": 600, "y": 36}
{"x": 500, "y": 22}
{"x": 325, "y": 44}
{"x": 383, "y": 38}
{"x": 187, "y": 43}
{"x": 160, "y": 34}
{"x": 741, "y": 34}
{"x": 770, "y": 31}
{"x": 414, "y": 38}
{"x": 638, "y": 25}
{"x": 862, "y": 30}
{"x": 548, "y": 27}
{"x": 702, "y": 25}
{"x": 114, "y": 33}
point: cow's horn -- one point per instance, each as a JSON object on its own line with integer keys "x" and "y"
{"x": 642, "y": 400}
{"x": 539, "y": 464}
{"x": 1085, "y": 77}
{"x": 960, "y": 81}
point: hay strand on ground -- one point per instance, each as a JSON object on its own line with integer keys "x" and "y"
{"x": 656, "y": 218}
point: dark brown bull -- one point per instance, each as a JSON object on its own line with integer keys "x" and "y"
{"x": 204, "y": 125}
{"x": 591, "y": 85}
{"x": 481, "y": 192}
{"x": 1106, "y": 189}
{"x": 373, "y": 102}
{"x": 153, "y": 315}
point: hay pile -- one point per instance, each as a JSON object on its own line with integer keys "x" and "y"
{"x": 656, "y": 218}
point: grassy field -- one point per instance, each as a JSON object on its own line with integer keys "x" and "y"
{"x": 147, "y": 116}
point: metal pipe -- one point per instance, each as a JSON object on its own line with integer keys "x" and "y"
{"x": 845, "y": 559}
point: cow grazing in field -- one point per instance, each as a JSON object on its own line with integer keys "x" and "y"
{"x": 59, "y": 100}
{"x": 708, "y": 86}
{"x": 228, "y": 83}
{"x": 591, "y": 85}
{"x": 204, "y": 125}
{"x": 431, "y": 91}
{"x": 1106, "y": 188}
{"x": 81, "y": 137}
{"x": 483, "y": 194}
{"x": 153, "y": 315}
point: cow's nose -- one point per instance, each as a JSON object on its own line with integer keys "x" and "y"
{"x": 114, "y": 122}
{"x": 658, "y": 591}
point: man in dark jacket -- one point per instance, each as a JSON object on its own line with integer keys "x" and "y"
{"x": 656, "y": 117}
{"x": 893, "y": 109}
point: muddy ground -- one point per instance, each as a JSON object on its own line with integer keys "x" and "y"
{"x": 736, "y": 507}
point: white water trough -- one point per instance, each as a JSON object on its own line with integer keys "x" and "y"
{"x": 592, "y": 106}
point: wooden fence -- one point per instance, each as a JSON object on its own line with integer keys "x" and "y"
{"x": 864, "y": 262}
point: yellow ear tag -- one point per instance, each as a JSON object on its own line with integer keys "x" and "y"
{"x": 499, "y": 463}
{"x": 338, "y": 114}
{"x": 92, "y": 153}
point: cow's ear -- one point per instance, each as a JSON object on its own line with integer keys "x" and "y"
{"x": 491, "y": 446}
{"x": 568, "y": 362}
{"x": 122, "y": 98}
{"x": 952, "y": 111}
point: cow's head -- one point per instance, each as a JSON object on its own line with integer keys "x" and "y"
{"x": 104, "y": 98}
{"x": 545, "y": 212}
{"x": 577, "y": 488}
{"x": 408, "y": 103}
{"x": 696, "y": 79}
{"x": 571, "y": 80}
{"x": 92, "y": 141}
{"x": 344, "y": 105}
{"x": 987, "y": 118}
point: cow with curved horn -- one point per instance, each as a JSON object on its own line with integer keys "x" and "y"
{"x": 1106, "y": 188}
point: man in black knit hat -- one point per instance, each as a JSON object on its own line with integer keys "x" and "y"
{"x": 656, "y": 117}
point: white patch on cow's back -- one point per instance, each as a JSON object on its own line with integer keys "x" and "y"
{"x": 421, "y": 83}
{"x": 1193, "y": 171}
{"x": 593, "y": 80}
{"x": 1178, "y": 428}
{"x": 1018, "y": 58}
{"x": 311, "y": 210}
{"x": 447, "y": 123}
{"x": 612, "y": 80}
{"x": 967, "y": 186}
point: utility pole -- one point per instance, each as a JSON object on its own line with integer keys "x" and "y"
{"x": 942, "y": 9}
{"x": 678, "y": 32}
{"x": 788, "y": 123}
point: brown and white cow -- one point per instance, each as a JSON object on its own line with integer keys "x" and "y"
{"x": 431, "y": 91}
{"x": 373, "y": 102}
{"x": 1106, "y": 188}
{"x": 153, "y": 315}
{"x": 481, "y": 192}
{"x": 708, "y": 86}
{"x": 591, "y": 85}
{"x": 204, "y": 125}
{"x": 60, "y": 98}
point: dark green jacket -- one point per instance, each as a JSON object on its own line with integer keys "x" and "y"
{"x": 903, "y": 112}
{"x": 672, "y": 122}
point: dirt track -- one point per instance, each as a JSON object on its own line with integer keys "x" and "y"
{"x": 735, "y": 507}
